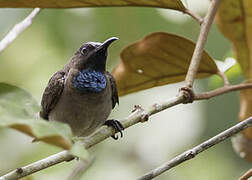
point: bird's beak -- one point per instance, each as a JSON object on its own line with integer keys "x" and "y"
{"x": 106, "y": 44}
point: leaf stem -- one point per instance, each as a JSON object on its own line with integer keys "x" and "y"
{"x": 195, "y": 16}
{"x": 224, "y": 78}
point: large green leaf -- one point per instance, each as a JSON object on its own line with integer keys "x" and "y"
{"x": 18, "y": 110}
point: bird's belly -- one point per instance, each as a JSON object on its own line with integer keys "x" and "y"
{"x": 83, "y": 112}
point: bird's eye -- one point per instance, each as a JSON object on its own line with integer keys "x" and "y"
{"x": 83, "y": 51}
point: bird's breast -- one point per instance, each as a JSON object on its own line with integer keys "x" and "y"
{"x": 83, "y": 110}
{"x": 89, "y": 80}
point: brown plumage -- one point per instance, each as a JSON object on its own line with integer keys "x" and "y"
{"x": 83, "y": 109}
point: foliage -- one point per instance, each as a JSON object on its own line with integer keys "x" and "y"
{"x": 18, "y": 111}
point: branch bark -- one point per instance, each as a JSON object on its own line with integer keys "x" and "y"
{"x": 18, "y": 29}
{"x": 138, "y": 115}
{"x": 197, "y": 54}
{"x": 247, "y": 175}
{"x": 187, "y": 155}
{"x": 223, "y": 90}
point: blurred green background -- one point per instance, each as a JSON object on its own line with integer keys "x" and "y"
{"x": 54, "y": 36}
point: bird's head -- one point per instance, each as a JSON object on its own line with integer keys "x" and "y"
{"x": 92, "y": 55}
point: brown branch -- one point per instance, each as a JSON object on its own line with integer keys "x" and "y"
{"x": 199, "y": 48}
{"x": 222, "y": 90}
{"x": 247, "y": 175}
{"x": 187, "y": 155}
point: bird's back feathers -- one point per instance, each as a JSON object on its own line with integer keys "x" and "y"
{"x": 52, "y": 93}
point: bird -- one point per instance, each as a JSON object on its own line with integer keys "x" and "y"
{"x": 83, "y": 94}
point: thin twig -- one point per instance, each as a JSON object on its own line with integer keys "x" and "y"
{"x": 247, "y": 175}
{"x": 80, "y": 168}
{"x": 195, "y": 16}
{"x": 197, "y": 54}
{"x": 224, "y": 78}
{"x": 187, "y": 155}
{"x": 222, "y": 90}
{"x": 37, "y": 166}
{"x": 17, "y": 29}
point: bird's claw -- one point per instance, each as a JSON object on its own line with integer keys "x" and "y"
{"x": 117, "y": 126}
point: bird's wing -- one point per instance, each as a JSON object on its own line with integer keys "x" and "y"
{"x": 52, "y": 93}
{"x": 115, "y": 98}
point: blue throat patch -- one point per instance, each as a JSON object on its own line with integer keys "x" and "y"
{"x": 90, "y": 80}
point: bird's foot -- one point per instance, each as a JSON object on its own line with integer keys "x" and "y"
{"x": 116, "y": 125}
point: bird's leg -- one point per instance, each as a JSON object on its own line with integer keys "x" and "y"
{"x": 116, "y": 125}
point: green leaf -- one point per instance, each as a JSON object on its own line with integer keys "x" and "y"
{"x": 234, "y": 71}
{"x": 159, "y": 59}
{"x": 79, "y": 150}
{"x": 171, "y": 4}
{"x": 15, "y": 102}
{"x": 19, "y": 111}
